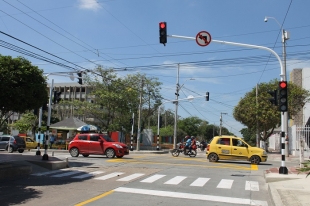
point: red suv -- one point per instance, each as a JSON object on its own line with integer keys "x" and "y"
{"x": 92, "y": 143}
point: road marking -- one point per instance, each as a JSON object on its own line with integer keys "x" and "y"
{"x": 214, "y": 164}
{"x": 199, "y": 182}
{"x": 225, "y": 184}
{"x": 231, "y": 200}
{"x": 47, "y": 173}
{"x": 67, "y": 174}
{"x": 105, "y": 177}
{"x": 131, "y": 177}
{"x": 251, "y": 185}
{"x": 153, "y": 178}
{"x": 94, "y": 198}
{"x": 176, "y": 180}
{"x": 91, "y": 174}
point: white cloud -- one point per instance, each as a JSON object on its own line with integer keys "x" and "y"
{"x": 89, "y": 5}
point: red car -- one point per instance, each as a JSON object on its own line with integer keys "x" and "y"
{"x": 98, "y": 144}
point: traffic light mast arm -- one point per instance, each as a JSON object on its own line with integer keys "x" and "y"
{"x": 282, "y": 74}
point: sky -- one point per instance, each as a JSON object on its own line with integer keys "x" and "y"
{"x": 124, "y": 35}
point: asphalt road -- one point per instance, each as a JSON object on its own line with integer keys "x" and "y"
{"x": 142, "y": 179}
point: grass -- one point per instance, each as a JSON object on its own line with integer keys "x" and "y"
{"x": 306, "y": 168}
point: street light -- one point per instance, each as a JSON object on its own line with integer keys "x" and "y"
{"x": 189, "y": 98}
{"x": 285, "y": 36}
{"x": 178, "y": 88}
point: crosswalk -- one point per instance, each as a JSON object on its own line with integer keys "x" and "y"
{"x": 166, "y": 179}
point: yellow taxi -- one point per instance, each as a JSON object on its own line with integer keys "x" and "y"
{"x": 30, "y": 142}
{"x": 234, "y": 148}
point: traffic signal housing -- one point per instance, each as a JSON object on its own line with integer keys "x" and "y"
{"x": 283, "y": 96}
{"x": 131, "y": 121}
{"x": 56, "y": 97}
{"x": 274, "y": 97}
{"x": 80, "y": 81}
{"x": 207, "y": 96}
{"x": 163, "y": 33}
{"x": 160, "y": 121}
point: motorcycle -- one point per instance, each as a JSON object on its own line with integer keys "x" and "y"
{"x": 181, "y": 149}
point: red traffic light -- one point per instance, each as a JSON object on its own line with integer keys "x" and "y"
{"x": 162, "y": 25}
{"x": 283, "y": 84}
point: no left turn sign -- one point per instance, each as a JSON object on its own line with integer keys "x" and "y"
{"x": 203, "y": 38}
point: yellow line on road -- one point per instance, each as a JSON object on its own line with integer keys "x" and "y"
{"x": 95, "y": 198}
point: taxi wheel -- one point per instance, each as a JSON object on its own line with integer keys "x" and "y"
{"x": 213, "y": 157}
{"x": 255, "y": 160}
{"x": 110, "y": 153}
{"x": 74, "y": 152}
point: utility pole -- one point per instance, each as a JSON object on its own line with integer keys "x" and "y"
{"x": 257, "y": 131}
{"x": 176, "y": 109}
{"x": 139, "y": 117}
{"x": 221, "y": 123}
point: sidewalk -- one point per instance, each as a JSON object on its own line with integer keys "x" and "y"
{"x": 288, "y": 189}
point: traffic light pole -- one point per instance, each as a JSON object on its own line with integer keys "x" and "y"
{"x": 283, "y": 168}
{"x": 45, "y": 156}
{"x": 38, "y": 152}
{"x": 132, "y": 125}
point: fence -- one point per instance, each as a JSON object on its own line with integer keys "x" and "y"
{"x": 299, "y": 141}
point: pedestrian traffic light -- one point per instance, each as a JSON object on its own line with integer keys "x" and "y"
{"x": 283, "y": 100}
{"x": 163, "y": 33}
{"x": 274, "y": 98}
{"x": 56, "y": 97}
{"x": 207, "y": 96}
{"x": 80, "y": 81}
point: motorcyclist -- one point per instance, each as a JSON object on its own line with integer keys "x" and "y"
{"x": 193, "y": 144}
{"x": 188, "y": 143}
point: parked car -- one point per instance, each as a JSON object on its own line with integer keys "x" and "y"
{"x": 12, "y": 143}
{"x": 234, "y": 148}
{"x": 30, "y": 142}
{"x": 98, "y": 144}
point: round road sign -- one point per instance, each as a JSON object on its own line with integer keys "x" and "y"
{"x": 203, "y": 38}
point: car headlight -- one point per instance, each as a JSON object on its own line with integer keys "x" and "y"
{"x": 264, "y": 152}
{"x": 117, "y": 145}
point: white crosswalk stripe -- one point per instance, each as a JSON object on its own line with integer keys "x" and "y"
{"x": 251, "y": 185}
{"x": 67, "y": 174}
{"x": 108, "y": 176}
{"x": 175, "y": 181}
{"x": 225, "y": 184}
{"x": 131, "y": 177}
{"x": 87, "y": 175}
{"x": 200, "y": 182}
{"x": 153, "y": 178}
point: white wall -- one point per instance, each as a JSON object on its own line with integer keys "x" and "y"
{"x": 306, "y": 85}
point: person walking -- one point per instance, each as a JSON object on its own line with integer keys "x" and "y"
{"x": 52, "y": 140}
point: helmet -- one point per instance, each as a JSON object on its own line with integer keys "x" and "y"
{"x": 192, "y": 137}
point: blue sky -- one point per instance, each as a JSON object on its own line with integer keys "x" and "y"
{"x": 124, "y": 34}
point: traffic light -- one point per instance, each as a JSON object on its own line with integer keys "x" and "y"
{"x": 56, "y": 97}
{"x": 163, "y": 33}
{"x": 45, "y": 107}
{"x": 274, "y": 98}
{"x": 283, "y": 106}
{"x": 131, "y": 121}
{"x": 160, "y": 121}
{"x": 80, "y": 78}
{"x": 207, "y": 96}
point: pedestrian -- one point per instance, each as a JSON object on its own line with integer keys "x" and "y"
{"x": 52, "y": 140}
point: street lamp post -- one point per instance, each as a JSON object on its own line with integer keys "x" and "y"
{"x": 284, "y": 36}
{"x": 221, "y": 120}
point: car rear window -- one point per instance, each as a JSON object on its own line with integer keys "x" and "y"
{"x": 224, "y": 141}
{"x": 5, "y": 139}
{"x": 82, "y": 137}
{"x": 19, "y": 139}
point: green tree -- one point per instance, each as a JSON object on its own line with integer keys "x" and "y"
{"x": 22, "y": 86}
{"x": 265, "y": 114}
{"x": 249, "y": 136}
{"x": 190, "y": 125}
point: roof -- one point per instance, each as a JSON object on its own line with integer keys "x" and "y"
{"x": 68, "y": 124}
